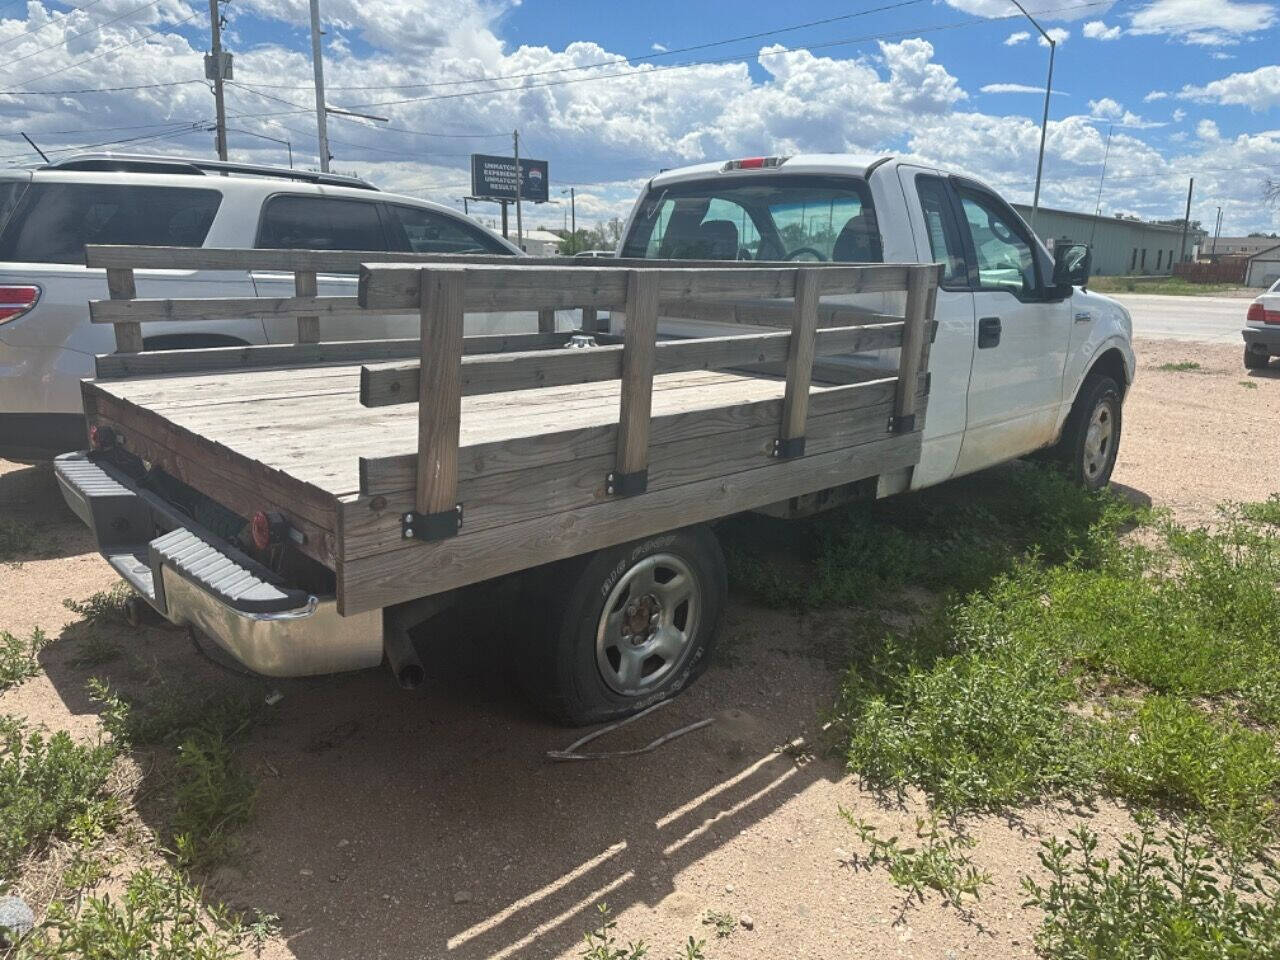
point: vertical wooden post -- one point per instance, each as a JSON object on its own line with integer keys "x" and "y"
{"x": 639, "y": 346}
{"x": 439, "y": 406}
{"x": 800, "y": 348}
{"x": 304, "y": 285}
{"x": 915, "y": 345}
{"x": 120, "y": 286}
{"x": 546, "y": 320}
{"x": 589, "y": 321}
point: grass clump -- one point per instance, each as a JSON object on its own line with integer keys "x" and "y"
{"x": 1163, "y": 895}
{"x": 940, "y": 862}
{"x": 104, "y": 606}
{"x": 722, "y": 920}
{"x": 159, "y": 915}
{"x": 50, "y": 787}
{"x": 16, "y": 538}
{"x": 1182, "y": 366}
{"x": 18, "y": 657}
{"x": 600, "y": 943}
{"x": 1268, "y": 511}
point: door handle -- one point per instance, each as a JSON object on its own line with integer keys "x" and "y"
{"x": 988, "y": 333}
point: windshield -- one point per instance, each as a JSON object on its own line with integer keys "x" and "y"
{"x": 797, "y": 218}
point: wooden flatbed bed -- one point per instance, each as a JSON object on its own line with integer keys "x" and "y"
{"x": 533, "y": 450}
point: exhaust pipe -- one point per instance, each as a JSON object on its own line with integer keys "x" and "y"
{"x": 397, "y": 644}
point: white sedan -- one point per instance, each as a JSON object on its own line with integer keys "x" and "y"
{"x": 1262, "y": 329}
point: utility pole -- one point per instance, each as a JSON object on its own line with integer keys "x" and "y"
{"x": 1097, "y": 210}
{"x": 1217, "y": 229}
{"x": 1186, "y": 223}
{"x": 515, "y": 146}
{"x": 317, "y": 61}
{"x": 217, "y": 67}
{"x": 1044, "y": 123}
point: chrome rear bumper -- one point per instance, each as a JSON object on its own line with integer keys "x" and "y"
{"x": 196, "y": 579}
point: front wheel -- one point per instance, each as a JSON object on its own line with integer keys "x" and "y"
{"x": 1091, "y": 436}
{"x": 626, "y": 626}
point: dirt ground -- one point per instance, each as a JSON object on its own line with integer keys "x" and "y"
{"x": 430, "y": 824}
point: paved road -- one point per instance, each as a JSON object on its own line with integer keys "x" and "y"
{"x": 1201, "y": 319}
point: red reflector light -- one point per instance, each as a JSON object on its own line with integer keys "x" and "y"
{"x": 15, "y": 301}
{"x": 751, "y": 163}
{"x": 754, "y": 163}
{"x": 260, "y": 530}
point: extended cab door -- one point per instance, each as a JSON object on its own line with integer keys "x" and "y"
{"x": 938, "y": 239}
{"x": 1022, "y": 331}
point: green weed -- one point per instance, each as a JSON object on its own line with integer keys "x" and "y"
{"x": 50, "y": 787}
{"x": 939, "y": 862}
{"x": 16, "y": 538}
{"x": 599, "y": 943}
{"x": 160, "y": 915}
{"x": 1182, "y": 366}
{"x": 93, "y": 650}
{"x": 1162, "y": 896}
{"x": 104, "y": 606}
{"x": 722, "y": 920}
{"x": 1248, "y": 385}
{"x": 213, "y": 798}
{"x": 18, "y": 657}
{"x": 1268, "y": 511}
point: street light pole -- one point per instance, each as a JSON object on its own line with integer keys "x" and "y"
{"x": 1044, "y": 123}
{"x": 317, "y": 62}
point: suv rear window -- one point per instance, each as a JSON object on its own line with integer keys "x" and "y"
{"x": 53, "y": 221}
{"x": 796, "y": 218}
{"x": 295, "y": 222}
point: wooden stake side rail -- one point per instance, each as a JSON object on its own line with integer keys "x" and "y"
{"x": 653, "y": 436}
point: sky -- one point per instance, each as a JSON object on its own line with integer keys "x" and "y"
{"x": 610, "y": 93}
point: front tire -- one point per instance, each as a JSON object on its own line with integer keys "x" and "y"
{"x": 626, "y": 626}
{"x": 1255, "y": 359}
{"x": 1091, "y": 436}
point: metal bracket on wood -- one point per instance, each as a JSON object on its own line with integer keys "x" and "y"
{"x": 903, "y": 424}
{"x": 933, "y": 331}
{"x": 431, "y": 526}
{"x": 785, "y": 449}
{"x": 626, "y": 484}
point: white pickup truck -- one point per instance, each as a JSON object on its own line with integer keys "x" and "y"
{"x": 1022, "y": 359}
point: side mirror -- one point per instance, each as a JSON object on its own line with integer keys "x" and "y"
{"x": 1071, "y": 265}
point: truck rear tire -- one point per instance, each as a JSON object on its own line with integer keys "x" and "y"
{"x": 626, "y": 626}
{"x": 1091, "y": 436}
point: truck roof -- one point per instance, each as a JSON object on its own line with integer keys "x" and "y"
{"x": 834, "y": 163}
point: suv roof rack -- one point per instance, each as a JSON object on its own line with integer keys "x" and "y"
{"x": 142, "y": 163}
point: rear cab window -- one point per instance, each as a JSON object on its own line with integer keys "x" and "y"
{"x": 794, "y": 218}
{"x": 52, "y": 222}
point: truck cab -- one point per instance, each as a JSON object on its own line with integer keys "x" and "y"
{"x": 1018, "y": 336}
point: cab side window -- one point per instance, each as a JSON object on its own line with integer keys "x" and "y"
{"x": 1005, "y": 261}
{"x": 295, "y": 222}
{"x": 428, "y": 231}
{"x": 945, "y": 245}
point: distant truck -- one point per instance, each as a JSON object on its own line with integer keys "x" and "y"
{"x": 782, "y": 334}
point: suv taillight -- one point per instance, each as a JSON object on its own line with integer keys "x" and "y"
{"x": 15, "y": 301}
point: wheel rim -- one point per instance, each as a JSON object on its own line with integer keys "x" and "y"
{"x": 1098, "y": 441}
{"x": 648, "y": 624}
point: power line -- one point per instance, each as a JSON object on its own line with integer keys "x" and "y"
{"x": 131, "y": 126}
{"x": 82, "y": 33}
{"x": 99, "y": 56}
{"x": 68, "y": 93}
{"x": 183, "y": 131}
{"x": 611, "y": 62}
{"x": 49, "y": 23}
{"x": 663, "y": 68}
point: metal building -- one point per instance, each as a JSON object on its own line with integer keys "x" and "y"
{"x": 1120, "y": 247}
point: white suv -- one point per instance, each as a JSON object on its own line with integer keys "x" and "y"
{"x": 47, "y": 215}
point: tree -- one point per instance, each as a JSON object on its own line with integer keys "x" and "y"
{"x": 1271, "y": 191}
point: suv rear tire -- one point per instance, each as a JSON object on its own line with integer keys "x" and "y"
{"x": 1091, "y": 436}
{"x": 626, "y": 626}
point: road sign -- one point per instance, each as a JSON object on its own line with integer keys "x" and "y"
{"x": 494, "y": 178}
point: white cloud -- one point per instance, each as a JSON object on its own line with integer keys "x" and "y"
{"x": 1179, "y": 115}
{"x": 1203, "y": 22}
{"x": 1221, "y": 55}
{"x": 1257, "y": 89}
{"x": 658, "y": 48}
{"x": 1097, "y": 30}
{"x": 1155, "y": 95}
{"x": 1017, "y": 88}
{"x": 1106, "y": 108}
{"x": 1057, "y": 34}
{"x": 1207, "y": 130}
{"x": 1040, "y": 9}
{"x": 1013, "y": 39}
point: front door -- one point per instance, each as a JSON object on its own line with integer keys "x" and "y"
{"x": 1021, "y": 334}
